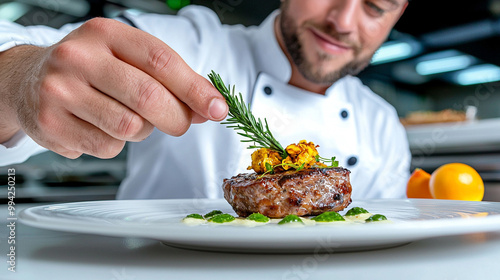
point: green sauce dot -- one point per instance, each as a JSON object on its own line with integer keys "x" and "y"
{"x": 195, "y": 216}
{"x": 212, "y": 213}
{"x": 356, "y": 211}
{"x": 375, "y": 218}
{"x": 258, "y": 217}
{"x": 328, "y": 217}
{"x": 290, "y": 219}
{"x": 222, "y": 218}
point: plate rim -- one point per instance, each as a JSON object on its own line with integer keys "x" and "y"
{"x": 408, "y": 231}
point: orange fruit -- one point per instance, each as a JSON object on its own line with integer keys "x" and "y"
{"x": 456, "y": 181}
{"x": 418, "y": 184}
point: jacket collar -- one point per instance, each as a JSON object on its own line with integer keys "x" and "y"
{"x": 270, "y": 58}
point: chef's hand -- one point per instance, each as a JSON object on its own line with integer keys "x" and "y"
{"x": 102, "y": 85}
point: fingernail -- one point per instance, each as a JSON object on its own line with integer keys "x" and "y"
{"x": 217, "y": 109}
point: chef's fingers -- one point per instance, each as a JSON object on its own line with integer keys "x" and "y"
{"x": 56, "y": 126}
{"x": 80, "y": 137}
{"x": 197, "y": 118}
{"x": 154, "y": 57}
{"x": 139, "y": 92}
{"x": 108, "y": 114}
{"x": 58, "y": 149}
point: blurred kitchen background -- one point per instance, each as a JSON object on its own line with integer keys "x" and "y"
{"x": 439, "y": 68}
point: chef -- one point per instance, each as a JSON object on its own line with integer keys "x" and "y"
{"x": 91, "y": 87}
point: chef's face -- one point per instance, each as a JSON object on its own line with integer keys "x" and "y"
{"x": 328, "y": 39}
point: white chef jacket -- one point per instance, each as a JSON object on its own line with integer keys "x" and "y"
{"x": 349, "y": 121}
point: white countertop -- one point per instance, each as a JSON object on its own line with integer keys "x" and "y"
{"x": 46, "y": 254}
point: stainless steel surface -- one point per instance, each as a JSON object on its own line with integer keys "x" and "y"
{"x": 459, "y": 137}
{"x": 48, "y": 177}
{"x": 492, "y": 192}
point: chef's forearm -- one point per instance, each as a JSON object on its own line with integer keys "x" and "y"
{"x": 14, "y": 66}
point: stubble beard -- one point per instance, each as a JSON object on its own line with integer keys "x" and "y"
{"x": 315, "y": 74}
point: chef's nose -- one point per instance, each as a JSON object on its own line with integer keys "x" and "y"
{"x": 344, "y": 14}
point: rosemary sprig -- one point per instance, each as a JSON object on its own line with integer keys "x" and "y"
{"x": 242, "y": 119}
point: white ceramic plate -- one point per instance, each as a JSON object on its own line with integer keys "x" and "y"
{"x": 161, "y": 219}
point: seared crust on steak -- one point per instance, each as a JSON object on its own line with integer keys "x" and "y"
{"x": 304, "y": 192}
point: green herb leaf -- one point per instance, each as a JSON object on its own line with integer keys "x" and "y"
{"x": 301, "y": 166}
{"x": 329, "y": 162}
{"x": 269, "y": 167}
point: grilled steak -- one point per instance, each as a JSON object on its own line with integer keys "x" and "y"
{"x": 304, "y": 192}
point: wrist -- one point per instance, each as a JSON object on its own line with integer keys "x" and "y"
{"x": 14, "y": 72}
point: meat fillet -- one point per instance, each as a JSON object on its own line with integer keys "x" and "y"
{"x": 304, "y": 192}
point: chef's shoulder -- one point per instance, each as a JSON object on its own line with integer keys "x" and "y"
{"x": 191, "y": 18}
{"x": 198, "y": 35}
{"x": 186, "y": 33}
